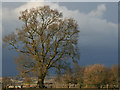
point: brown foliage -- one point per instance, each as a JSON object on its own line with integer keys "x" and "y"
{"x": 94, "y": 74}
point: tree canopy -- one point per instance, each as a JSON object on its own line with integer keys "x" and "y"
{"x": 45, "y": 40}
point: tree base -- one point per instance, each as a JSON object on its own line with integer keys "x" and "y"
{"x": 38, "y": 86}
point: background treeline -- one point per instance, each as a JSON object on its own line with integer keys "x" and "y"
{"x": 91, "y": 76}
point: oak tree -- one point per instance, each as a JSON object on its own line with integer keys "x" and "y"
{"x": 45, "y": 40}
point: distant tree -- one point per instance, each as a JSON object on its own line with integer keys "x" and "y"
{"x": 6, "y": 81}
{"x": 61, "y": 74}
{"x": 114, "y": 75}
{"x": 46, "y": 40}
{"x": 68, "y": 78}
{"x": 107, "y": 76}
{"x": 95, "y": 75}
{"x": 78, "y": 76}
{"x": 28, "y": 80}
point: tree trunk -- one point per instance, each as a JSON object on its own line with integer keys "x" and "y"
{"x": 41, "y": 77}
{"x": 40, "y": 83}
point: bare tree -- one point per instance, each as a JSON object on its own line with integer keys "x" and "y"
{"x": 68, "y": 77}
{"x": 6, "y": 82}
{"x": 45, "y": 40}
{"x": 78, "y": 76}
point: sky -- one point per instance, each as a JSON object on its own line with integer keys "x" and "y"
{"x": 0, "y": 39}
{"x": 98, "y": 37}
{"x": 61, "y": 0}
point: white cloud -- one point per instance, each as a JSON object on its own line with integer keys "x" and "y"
{"x": 8, "y": 14}
{"x": 99, "y": 11}
{"x": 28, "y": 6}
{"x": 92, "y": 25}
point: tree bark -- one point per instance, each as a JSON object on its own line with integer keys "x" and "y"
{"x": 40, "y": 83}
{"x": 41, "y": 77}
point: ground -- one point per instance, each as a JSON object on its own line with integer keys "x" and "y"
{"x": 61, "y": 89}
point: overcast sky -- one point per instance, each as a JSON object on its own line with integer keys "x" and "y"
{"x": 98, "y": 37}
